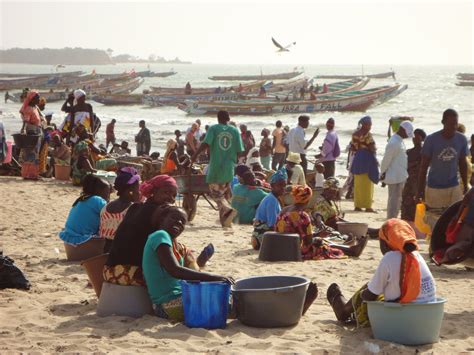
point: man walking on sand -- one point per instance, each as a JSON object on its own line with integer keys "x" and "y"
{"x": 444, "y": 153}
{"x": 110, "y": 133}
{"x": 297, "y": 142}
{"x": 394, "y": 168}
{"x": 330, "y": 150}
{"x": 224, "y": 144}
{"x": 279, "y": 150}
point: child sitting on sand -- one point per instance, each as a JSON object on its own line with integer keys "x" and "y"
{"x": 164, "y": 265}
{"x": 83, "y": 220}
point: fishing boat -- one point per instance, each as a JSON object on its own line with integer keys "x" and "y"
{"x": 280, "y": 76}
{"x": 152, "y": 74}
{"x": 359, "y": 100}
{"x": 465, "y": 83}
{"x": 93, "y": 87}
{"x": 253, "y": 86}
{"x": 119, "y": 99}
{"x": 465, "y": 76}
{"x": 45, "y": 75}
{"x": 372, "y": 76}
{"x": 173, "y": 100}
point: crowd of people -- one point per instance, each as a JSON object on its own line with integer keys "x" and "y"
{"x": 269, "y": 186}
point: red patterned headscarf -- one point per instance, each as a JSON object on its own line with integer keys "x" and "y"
{"x": 148, "y": 188}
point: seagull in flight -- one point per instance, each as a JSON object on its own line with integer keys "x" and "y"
{"x": 280, "y": 47}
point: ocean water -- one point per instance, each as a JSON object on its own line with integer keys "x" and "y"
{"x": 431, "y": 90}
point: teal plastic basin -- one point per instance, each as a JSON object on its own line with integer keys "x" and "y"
{"x": 407, "y": 324}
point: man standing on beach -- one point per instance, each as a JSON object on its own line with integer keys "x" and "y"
{"x": 110, "y": 133}
{"x": 297, "y": 142}
{"x": 180, "y": 143}
{"x": 330, "y": 150}
{"x": 394, "y": 168}
{"x": 143, "y": 140}
{"x": 279, "y": 150}
{"x": 444, "y": 153}
{"x": 225, "y": 144}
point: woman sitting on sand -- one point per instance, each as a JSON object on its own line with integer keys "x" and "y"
{"x": 82, "y": 165}
{"x": 293, "y": 219}
{"x": 402, "y": 276}
{"x": 269, "y": 209}
{"x": 326, "y": 204}
{"x": 126, "y": 184}
{"x": 459, "y": 234}
{"x": 83, "y": 220}
{"x": 165, "y": 264}
{"x": 171, "y": 163}
{"x": 246, "y": 197}
{"x": 124, "y": 264}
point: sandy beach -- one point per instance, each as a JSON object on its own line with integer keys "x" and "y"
{"x": 58, "y": 313}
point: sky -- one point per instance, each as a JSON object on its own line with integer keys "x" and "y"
{"x": 239, "y": 32}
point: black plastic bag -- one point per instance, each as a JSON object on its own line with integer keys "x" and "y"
{"x": 11, "y": 276}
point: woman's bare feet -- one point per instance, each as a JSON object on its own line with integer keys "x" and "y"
{"x": 357, "y": 209}
{"x": 370, "y": 210}
{"x": 337, "y": 302}
{"x": 357, "y": 249}
{"x": 311, "y": 295}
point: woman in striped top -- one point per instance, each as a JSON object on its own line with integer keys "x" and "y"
{"x": 126, "y": 184}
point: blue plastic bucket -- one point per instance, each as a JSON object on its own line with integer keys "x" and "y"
{"x": 408, "y": 324}
{"x": 205, "y": 304}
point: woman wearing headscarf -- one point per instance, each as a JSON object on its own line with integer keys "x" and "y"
{"x": 294, "y": 219}
{"x": 82, "y": 165}
{"x": 269, "y": 209}
{"x": 246, "y": 197}
{"x": 402, "y": 276}
{"x": 326, "y": 203}
{"x": 32, "y": 120}
{"x": 124, "y": 264}
{"x": 171, "y": 163}
{"x": 126, "y": 184}
{"x": 252, "y": 158}
{"x": 79, "y": 113}
{"x": 364, "y": 165}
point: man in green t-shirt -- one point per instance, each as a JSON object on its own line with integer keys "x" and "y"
{"x": 225, "y": 144}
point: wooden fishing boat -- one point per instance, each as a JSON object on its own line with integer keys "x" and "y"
{"x": 280, "y": 76}
{"x": 94, "y": 87}
{"x": 119, "y": 99}
{"x": 465, "y": 76}
{"x": 173, "y": 100}
{"x": 152, "y": 74}
{"x": 359, "y": 100}
{"x": 372, "y": 76}
{"x": 253, "y": 86}
{"x": 45, "y": 75}
{"x": 465, "y": 83}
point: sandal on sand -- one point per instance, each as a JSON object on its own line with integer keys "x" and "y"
{"x": 227, "y": 219}
{"x": 205, "y": 255}
{"x": 311, "y": 295}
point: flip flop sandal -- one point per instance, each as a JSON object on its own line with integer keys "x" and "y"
{"x": 205, "y": 255}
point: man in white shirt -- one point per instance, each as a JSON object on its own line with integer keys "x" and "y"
{"x": 394, "y": 167}
{"x": 297, "y": 142}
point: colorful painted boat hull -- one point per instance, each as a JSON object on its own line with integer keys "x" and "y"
{"x": 359, "y": 101}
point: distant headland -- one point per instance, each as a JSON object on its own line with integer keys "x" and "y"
{"x": 76, "y": 56}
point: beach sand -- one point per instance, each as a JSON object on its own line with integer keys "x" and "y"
{"x": 58, "y": 313}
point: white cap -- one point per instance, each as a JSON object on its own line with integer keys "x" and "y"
{"x": 408, "y": 127}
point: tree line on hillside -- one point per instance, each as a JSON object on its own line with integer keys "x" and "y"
{"x": 74, "y": 56}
